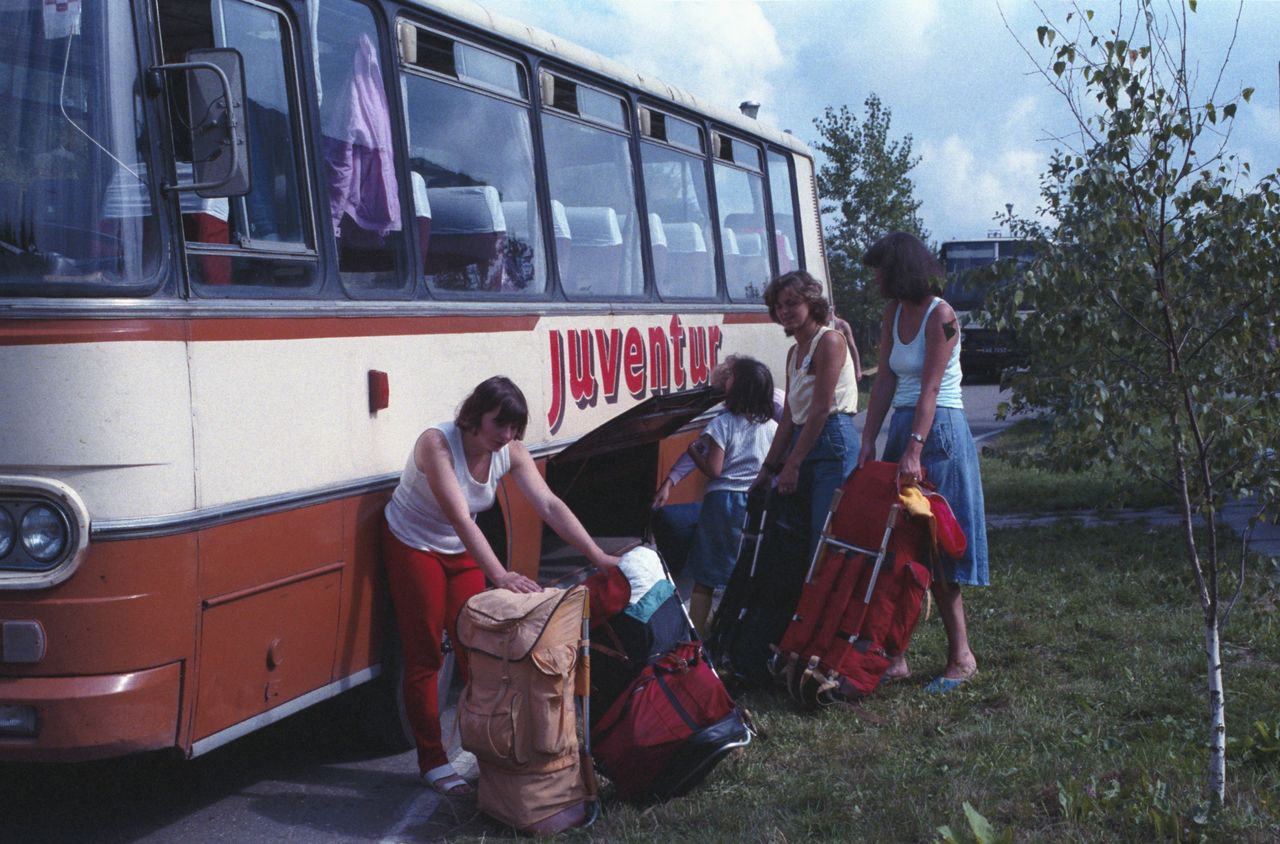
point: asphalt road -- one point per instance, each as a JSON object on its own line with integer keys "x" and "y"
{"x": 306, "y": 779}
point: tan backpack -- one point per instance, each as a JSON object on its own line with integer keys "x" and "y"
{"x": 517, "y": 713}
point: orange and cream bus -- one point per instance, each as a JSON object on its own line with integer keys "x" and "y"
{"x": 248, "y": 250}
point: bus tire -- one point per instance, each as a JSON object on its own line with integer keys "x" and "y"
{"x": 378, "y": 710}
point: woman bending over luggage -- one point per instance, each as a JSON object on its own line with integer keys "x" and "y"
{"x": 729, "y": 452}
{"x": 928, "y": 428}
{"x": 436, "y": 555}
{"x": 813, "y": 451}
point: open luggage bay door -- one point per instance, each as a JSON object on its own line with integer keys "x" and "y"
{"x": 648, "y": 422}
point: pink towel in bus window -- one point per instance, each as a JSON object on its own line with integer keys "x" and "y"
{"x": 358, "y": 153}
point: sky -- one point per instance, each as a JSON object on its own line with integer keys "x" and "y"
{"x": 981, "y": 117}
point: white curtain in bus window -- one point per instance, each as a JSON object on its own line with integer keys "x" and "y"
{"x": 357, "y": 150}
{"x": 591, "y": 179}
{"x": 740, "y": 199}
{"x": 786, "y": 233}
{"x": 675, "y": 186}
{"x": 76, "y": 202}
{"x": 273, "y": 205}
{"x": 474, "y": 154}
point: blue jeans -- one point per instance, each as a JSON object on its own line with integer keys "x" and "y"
{"x": 825, "y": 469}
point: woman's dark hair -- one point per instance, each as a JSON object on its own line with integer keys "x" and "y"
{"x": 752, "y": 393}
{"x": 806, "y": 287}
{"x": 498, "y": 392}
{"x": 911, "y": 272}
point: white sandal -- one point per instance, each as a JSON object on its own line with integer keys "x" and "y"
{"x": 447, "y": 782}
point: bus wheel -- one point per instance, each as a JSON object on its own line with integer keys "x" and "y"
{"x": 378, "y": 712}
{"x": 450, "y": 683}
{"x": 378, "y": 708}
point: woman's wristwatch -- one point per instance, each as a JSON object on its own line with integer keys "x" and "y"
{"x": 913, "y": 435}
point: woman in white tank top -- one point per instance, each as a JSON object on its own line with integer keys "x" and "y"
{"x": 919, "y": 380}
{"x": 437, "y": 557}
{"x": 814, "y": 448}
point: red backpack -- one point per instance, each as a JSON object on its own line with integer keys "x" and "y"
{"x": 669, "y": 729}
{"x": 863, "y": 595}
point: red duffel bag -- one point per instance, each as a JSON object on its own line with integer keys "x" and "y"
{"x": 669, "y": 729}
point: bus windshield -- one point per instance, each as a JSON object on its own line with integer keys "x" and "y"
{"x": 76, "y": 204}
{"x": 962, "y": 259}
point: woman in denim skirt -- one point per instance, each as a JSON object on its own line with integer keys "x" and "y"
{"x": 928, "y": 430}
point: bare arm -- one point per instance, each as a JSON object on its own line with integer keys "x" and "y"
{"x": 847, "y": 333}
{"x": 781, "y": 437}
{"x": 707, "y": 455}
{"x": 941, "y": 335}
{"x": 881, "y": 389}
{"x": 435, "y": 460}
{"x": 827, "y": 361}
{"x": 552, "y": 510}
{"x": 680, "y": 470}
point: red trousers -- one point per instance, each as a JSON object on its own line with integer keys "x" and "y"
{"x": 427, "y": 590}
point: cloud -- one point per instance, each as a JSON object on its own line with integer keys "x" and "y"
{"x": 722, "y": 52}
{"x": 967, "y": 188}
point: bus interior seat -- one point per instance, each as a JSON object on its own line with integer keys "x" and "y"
{"x": 421, "y": 211}
{"x": 596, "y": 250}
{"x": 752, "y": 260}
{"x": 658, "y": 241}
{"x": 688, "y": 261}
{"x": 633, "y": 277}
{"x": 520, "y": 222}
{"x": 205, "y": 221}
{"x": 785, "y": 226}
{"x": 468, "y": 230}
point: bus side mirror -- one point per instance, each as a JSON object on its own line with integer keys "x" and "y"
{"x": 215, "y": 105}
{"x": 216, "y": 119}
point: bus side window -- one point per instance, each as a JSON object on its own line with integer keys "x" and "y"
{"x": 786, "y": 235}
{"x": 589, "y": 171}
{"x": 357, "y": 149}
{"x": 740, "y": 200}
{"x": 675, "y": 187}
{"x": 471, "y": 141}
{"x": 270, "y": 220}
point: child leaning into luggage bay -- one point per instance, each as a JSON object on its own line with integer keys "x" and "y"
{"x": 437, "y": 557}
{"x": 729, "y": 452}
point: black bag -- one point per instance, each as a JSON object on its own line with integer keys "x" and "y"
{"x": 622, "y": 646}
{"x": 765, "y": 585}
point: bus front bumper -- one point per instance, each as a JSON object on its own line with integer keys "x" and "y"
{"x": 76, "y": 718}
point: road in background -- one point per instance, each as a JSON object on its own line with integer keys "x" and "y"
{"x": 980, "y": 404}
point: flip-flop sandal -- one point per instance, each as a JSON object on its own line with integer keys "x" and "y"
{"x": 449, "y": 784}
{"x": 941, "y": 685}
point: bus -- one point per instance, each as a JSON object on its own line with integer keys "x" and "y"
{"x": 984, "y": 352}
{"x": 249, "y": 249}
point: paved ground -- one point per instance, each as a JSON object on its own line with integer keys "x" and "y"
{"x": 1264, "y": 537}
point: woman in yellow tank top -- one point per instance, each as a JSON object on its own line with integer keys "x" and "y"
{"x": 816, "y": 445}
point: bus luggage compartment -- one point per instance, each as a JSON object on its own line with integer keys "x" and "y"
{"x": 608, "y": 476}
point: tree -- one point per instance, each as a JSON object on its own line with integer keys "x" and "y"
{"x": 1150, "y": 334}
{"x": 867, "y": 192}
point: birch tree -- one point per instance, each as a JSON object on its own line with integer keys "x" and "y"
{"x": 1151, "y": 334}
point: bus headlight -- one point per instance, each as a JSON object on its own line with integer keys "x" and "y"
{"x": 44, "y": 533}
{"x": 8, "y": 532}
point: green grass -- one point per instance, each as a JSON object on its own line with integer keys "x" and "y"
{"x": 1009, "y": 487}
{"x": 1091, "y": 668}
{"x": 1086, "y": 722}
